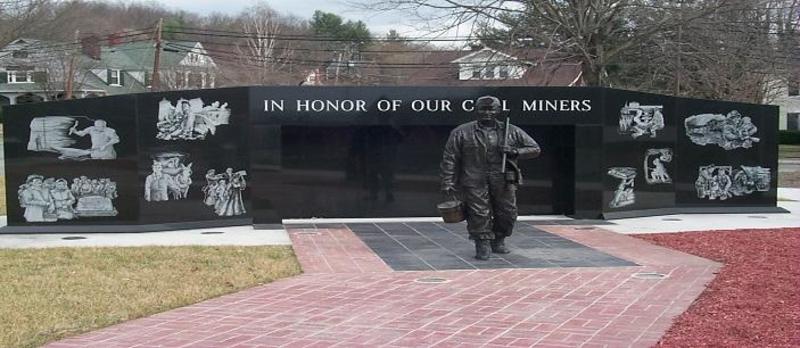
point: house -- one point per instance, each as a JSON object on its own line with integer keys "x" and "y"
{"x": 479, "y": 67}
{"x": 490, "y": 67}
{"x": 34, "y": 70}
{"x": 786, "y": 94}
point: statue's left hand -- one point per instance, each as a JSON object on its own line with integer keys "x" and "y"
{"x": 507, "y": 149}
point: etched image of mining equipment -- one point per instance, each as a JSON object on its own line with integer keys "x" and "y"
{"x": 730, "y": 131}
{"x": 624, "y": 194}
{"x": 723, "y": 182}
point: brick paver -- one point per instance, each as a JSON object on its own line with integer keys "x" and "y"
{"x": 348, "y": 297}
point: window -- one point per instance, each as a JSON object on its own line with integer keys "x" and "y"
{"x": 503, "y": 72}
{"x": 114, "y": 77}
{"x": 476, "y": 73}
{"x": 488, "y": 73}
{"x": 794, "y": 87}
{"x": 194, "y": 80}
{"x": 20, "y": 54}
{"x": 20, "y": 76}
{"x": 195, "y": 58}
{"x": 792, "y": 119}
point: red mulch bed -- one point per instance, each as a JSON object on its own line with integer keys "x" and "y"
{"x": 755, "y": 299}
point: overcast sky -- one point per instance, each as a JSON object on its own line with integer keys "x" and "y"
{"x": 378, "y": 23}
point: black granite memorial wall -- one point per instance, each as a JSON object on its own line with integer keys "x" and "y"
{"x": 262, "y": 154}
{"x": 382, "y": 159}
{"x": 110, "y": 171}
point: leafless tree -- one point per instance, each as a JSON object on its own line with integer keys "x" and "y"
{"x": 722, "y": 49}
{"x": 594, "y": 32}
{"x": 263, "y": 48}
{"x": 736, "y": 54}
{"x": 17, "y": 16}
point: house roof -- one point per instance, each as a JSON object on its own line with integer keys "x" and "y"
{"x": 140, "y": 55}
{"x": 29, "y": 45}
{"x": 132, "y": 58}
{"x": 137, "y": 55}
{"x": 93, "y": 82}
{"x": 490, "y": 54}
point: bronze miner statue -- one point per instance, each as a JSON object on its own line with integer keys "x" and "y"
{"x": 480, "y": 166}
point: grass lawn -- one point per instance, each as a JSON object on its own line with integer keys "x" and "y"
{"x": 48, "y": 294}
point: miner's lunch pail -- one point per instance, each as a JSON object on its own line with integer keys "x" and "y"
{"x": 452, "y": 211}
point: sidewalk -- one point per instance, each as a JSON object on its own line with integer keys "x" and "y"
{"x": 237, "y": 235}
{"x": 246, "y": 235}
{"x": 348, "y": 297}
{"x": 789, "y": 199}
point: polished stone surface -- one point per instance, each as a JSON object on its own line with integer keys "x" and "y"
{"x": 330, "y": 163}
{"x": 422, "y": 246}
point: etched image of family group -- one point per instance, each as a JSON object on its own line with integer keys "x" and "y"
{"x": 51, "y": 199}
{"x": 729, "y": 131}
{"x": 223, "y": 191}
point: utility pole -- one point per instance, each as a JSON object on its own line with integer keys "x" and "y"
{"x": 338, "y": 64}
{"x": 679, "y": 65}
{"x": 156, "y": 83}
{"x": 69, "y": 79}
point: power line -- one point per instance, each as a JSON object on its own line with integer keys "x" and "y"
{"x": 44, "y": 46}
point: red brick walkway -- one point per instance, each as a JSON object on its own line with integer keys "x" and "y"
{"x": 349, "y": 298}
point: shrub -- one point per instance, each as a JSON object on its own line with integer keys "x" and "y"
{"x": 788, "y": 137}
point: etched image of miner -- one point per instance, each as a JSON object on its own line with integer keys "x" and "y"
{"x": 103, "y": 139}
{"x": 472, "y": 169}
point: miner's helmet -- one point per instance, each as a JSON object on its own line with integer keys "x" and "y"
{"x": 488, "y": 103}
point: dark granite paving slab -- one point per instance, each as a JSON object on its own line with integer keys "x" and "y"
{"x": 567, "y": 222}
{"x": 425, "y": 246}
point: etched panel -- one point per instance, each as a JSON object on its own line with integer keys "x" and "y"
{"x": 655, "y": 170}
{"x": 723, "y": 182}
{"x": 56, "y": 134}
{"x": 731, "y": 131}
{"x": 50, "y": 200}
{"x": 170, "y": 178}
{"x": 223, "y": 192}
{"x": 190, "y": 119}
{"x": 638, "y": 120}
{"x": 624, "y": 194}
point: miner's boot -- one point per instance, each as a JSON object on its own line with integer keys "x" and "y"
{"x": 482, "y": 249}
{"x": 499, "y": 246}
